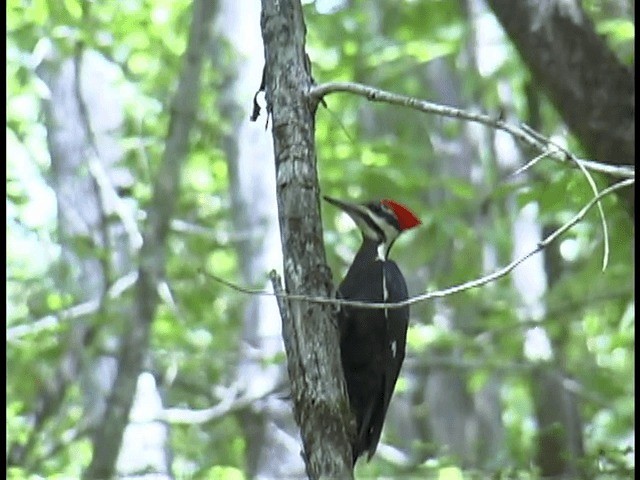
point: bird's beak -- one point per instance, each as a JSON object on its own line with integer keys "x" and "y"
{"x": 354, "y": 210}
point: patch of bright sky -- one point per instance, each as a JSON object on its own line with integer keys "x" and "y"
{"x": 537, "y": 345}
{"x": 28, "y": 223}
{"x": 529, "y": 278}
{"x": 40, "y": 208}
{"x": 328, "y": 6}
{"x": 492, "y": 49}
{"x": 161, "y": 14}
{"x": 569, "y": 249}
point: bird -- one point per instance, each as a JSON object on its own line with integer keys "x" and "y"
{"x": 373, "y": 341}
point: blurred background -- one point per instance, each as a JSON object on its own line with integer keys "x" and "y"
{"x": 133, "y": 175}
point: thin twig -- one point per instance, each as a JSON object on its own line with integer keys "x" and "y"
{"x": 529, "y": 164}
{"x": 590, "y": 180}
{"x": 276, "y": 283}
{"x": 447, "y": 291}
{"x": 605, "y": 230}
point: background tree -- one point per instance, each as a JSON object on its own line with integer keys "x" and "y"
{"x": 519, "y": 371}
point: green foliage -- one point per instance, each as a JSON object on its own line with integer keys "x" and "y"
{"x": 364, "y": 151}
{"x": 615, "y": 23}
{"x": 198, "y": 339}
{"x": 371, "y": 151}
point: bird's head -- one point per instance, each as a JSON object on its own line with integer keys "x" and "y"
{"x": 380, "y": 222}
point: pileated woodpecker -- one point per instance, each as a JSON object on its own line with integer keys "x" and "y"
{"x": 372, "y": 342}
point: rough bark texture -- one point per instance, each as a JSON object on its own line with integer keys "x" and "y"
{"x": 309, "y": 331}
{"x": 108, "y": 436}
{"x": 591, "y": 89}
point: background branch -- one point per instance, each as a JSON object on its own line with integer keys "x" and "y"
{"x": 230, "y": 402}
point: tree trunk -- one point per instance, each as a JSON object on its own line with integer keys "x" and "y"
{"x": 559, "y": 438}
{"x": 310, "y": 330}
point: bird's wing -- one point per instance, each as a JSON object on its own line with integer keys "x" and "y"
{"x": 397, "y": 324}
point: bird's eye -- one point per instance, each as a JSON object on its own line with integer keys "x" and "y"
{"x": 375, "y": 207}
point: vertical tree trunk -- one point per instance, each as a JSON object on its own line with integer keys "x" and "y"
{"x": 468, "y": 424}
{"x": 559, "y": 438}
{"x": 82, "y": 210}
{"x": 309, "y": 330}
{"x": 84, "y": 117}
{"x": 559, "y": 442}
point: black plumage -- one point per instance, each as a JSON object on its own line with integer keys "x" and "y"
{"x": 372, "y": 341}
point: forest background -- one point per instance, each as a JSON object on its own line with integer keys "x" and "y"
{"x": 135, "y": 181}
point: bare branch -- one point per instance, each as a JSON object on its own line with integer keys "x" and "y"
{"x": 613, "y": 170}
{"x": 522, "y": 133}
{"x": 529, "y": 164}
{"x": 231, "y": 402}
{"x": 276, "y": 282}
{"x": 590, "y": 181}
{"x": 120, "y": 286}
{"x": 447, "y": 291}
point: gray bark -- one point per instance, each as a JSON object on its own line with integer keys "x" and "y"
{"x": 309, "y": 330}
{"x": 87, "y": 176}
{"x": 81, "y": 222}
